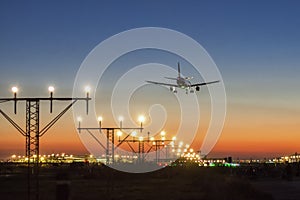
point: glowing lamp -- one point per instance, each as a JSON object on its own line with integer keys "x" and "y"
{"x": 14, "y": 89}
{"x": 99, "y": 119}
{"x": 141, "y": 118}
{"x": 51, "y": 89}
{"x": 119, "y": 133}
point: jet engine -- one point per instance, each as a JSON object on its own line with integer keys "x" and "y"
{"x": 173, "y": 89}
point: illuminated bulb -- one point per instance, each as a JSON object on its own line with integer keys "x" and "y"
{"x": 79, "y": 119}
{"x": 99, "y": 119}
{"x": 141, "y": 118}
{"x": 174, "y": 138}
{"x": 141, "y": 138}
{"x": 121, "y": 118}
{"x": 163, "y": 133}
{"x": 87, "y": 89}
{"x": 51, "y": 89}
{"x": 180, "y": 144}
{"x": 152, "y": 138}
{"x": 14, "y": 89}
{"x": 133, "y": 134}
{"x": 119, "y": 133}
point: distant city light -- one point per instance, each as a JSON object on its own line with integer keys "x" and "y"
{"x": 180, "y": 144}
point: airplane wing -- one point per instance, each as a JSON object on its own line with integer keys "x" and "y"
{"x": 166, "y": 84}
{"x": 200, "y": 84}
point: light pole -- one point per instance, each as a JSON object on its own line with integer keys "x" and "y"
{"x": 121, "y": 121}
{"x": 79, "y": 119}
{"x": 87, "y": 90}
{"x": 100, "y": 122}
{"x": 15, "y": 90}
{"x": 119, "y": 134}
{"x": 51, "y": 90}
{"x": 141, "y": 120}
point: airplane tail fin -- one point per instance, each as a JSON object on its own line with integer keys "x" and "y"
{"x": 178, "y": 65}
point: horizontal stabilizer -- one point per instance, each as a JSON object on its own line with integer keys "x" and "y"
{"x": 171, "y": 78}
{"x": 207, "y": 83}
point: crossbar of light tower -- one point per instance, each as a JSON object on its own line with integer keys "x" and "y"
{"x": 110, "y": 136}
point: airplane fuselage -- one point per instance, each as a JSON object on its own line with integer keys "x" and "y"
{"x": 183, "y": 83}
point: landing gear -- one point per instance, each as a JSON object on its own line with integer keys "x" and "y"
{"x": 173, "y": 89}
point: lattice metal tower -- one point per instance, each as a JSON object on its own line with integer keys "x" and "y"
{"x": 33, "y": 132}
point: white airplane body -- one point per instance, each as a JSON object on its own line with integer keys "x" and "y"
{"x": 183, "y": 83}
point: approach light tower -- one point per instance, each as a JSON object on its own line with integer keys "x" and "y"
{"x": 110, "y": 146}
{"x": 33, "y": 132}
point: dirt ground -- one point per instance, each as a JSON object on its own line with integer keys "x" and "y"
{"x": 280, "y": 189}
{"x": 99, "y": 182}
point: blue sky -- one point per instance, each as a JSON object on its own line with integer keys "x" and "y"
{"x": 255, "y": 44}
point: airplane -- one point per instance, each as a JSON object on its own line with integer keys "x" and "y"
{"x": 182, "y": 83}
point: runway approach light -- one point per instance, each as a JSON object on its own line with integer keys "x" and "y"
{"x": 14, "y": 89}
{"x": 133, "y": 134}
{"x": 100, "y": 121}
{"x": 87, "y": 89}
{"x": 119, "y": 133}
{"x": 51, "y": 89}
{"x": 79, "y": 119}
{"x": 121, "y": 118}
{"x": 141, "y": 118}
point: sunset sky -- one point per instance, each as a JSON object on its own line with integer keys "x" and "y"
{"x": 255, "y": 44}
